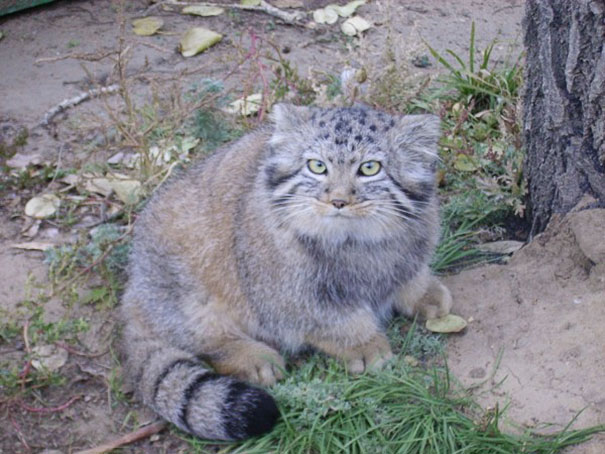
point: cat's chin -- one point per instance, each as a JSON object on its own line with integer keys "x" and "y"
{"x": 340, "y": 228}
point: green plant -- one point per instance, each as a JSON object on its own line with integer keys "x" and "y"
{"x": 475, "y": 83}
{"x": 401, "y": 409}
{"x": 105, "y": 253}
{"x": 457, "y": 247}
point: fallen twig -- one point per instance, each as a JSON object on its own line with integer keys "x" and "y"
{"x": 139, "y": 434}
{"x": 79, "y": 56}
{"x": 48, "y": 410}
{"x": 25, "y": 372}
{"x": 19, "y": 433}
{"x": 67, "y": 103}
{"x": 73, "y": 351}
{"x": 294, "y": 18}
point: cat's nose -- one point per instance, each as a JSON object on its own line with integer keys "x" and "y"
{"x": 339, "y": 203}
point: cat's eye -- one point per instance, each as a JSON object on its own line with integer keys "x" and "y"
{"x": 369, "y": 168}
{"x": 316, "y": 166}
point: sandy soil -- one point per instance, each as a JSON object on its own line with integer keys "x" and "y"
{"x": 544, "y": 310}
{"x": 536, "y": 338}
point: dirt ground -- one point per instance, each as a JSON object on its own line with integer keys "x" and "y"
{"x": 543, "y": 313}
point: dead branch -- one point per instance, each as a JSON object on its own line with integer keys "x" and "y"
{"x": 79, "y": 56}
{"x": 294, "y": 18}
{"x": 73, "y": 351}
{"x": 48, "y": 410}
{"x": 71, "y": 102}
{"x": 139, "y": 434}
{"x": 19, "y": 433}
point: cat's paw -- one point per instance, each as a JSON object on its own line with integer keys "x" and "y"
{"x": 253, "y": 362}
{"x": 369, "y": 356}
{"x": 425, "y": 296}
{"x": 436, "y": 302}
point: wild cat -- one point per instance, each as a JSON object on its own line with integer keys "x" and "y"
{"x": 308, "y": 232}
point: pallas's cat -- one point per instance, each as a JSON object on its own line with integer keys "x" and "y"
{"x": 309, "y": 232}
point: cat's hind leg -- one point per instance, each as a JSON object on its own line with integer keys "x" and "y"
{"x": 424, "y": 296}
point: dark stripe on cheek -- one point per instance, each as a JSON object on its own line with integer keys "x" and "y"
{"x": 403, "y": 210}
{"x": 275, "y": 179}
{"x": 190, "y": 392}
{"x": 422, "y": 194}
{"x": 286, "y": 197}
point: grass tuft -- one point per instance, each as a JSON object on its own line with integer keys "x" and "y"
{"x": 401, "y": 409}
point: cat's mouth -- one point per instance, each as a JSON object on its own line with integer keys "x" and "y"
{"x": 330, "y": 210}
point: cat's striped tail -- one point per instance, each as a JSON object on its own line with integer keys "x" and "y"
{"x": 185, "y": 392}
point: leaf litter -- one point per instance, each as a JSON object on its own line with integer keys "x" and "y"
{"x": 147, "y": 26}
{"x": 198, "y": 39}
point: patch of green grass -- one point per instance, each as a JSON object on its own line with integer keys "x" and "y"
{"x": 9, "y": 329}
{"x": 8, "y": 150}
{"x": 213, "y": 129}
{"x": 105, "y": 254}
{"x": 481, "y": 168}
{"x": 401, "y": 409}
{"x": 17, "y": 376}
{"x": 475, "y": 82}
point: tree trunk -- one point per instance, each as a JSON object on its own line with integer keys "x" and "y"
{"x": 564, "y": 105}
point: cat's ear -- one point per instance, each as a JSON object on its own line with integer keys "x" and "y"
{"x": 418, "y": 134}
{"x": 287, "y": 119}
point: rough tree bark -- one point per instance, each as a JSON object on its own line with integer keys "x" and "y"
{"x": 564, "y": 105}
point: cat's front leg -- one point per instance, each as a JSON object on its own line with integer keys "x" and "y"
{"x": 248, "y": 360}
{"x": 425, "y": 296}
{"x": 357, "y": 340}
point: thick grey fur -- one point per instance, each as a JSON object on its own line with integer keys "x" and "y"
{"x": 246, "y": 255}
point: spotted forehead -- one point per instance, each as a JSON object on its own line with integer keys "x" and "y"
{"x": 348, "y": 133}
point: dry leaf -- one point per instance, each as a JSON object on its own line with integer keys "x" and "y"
{"x": 128, "y": 190}
{"x": 147, "y": 26}
{"x": 245, "y": 106}
{"x": 30, "y": 227}
{"x": 449, "y": 324}
{"x": 42, "y": 206}
{"x": 33, "y": 246}
{"x": 21, "y": 161}
{"x": 201, "y": 10}
{"x": 98, "y": 185}
{"x": 49, "y": 357}
{"x": 71, "y": 179}
{"x": 501, "y": 247}
{"x": 198, "y": 39}
{"x": 346, "y": 10}
{"x": 325, "y": 16}
{"x": 288, "y": 3}
{"x": 355, "y": 25}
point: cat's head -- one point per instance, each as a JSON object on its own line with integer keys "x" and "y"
{"x": 350, "y": 172}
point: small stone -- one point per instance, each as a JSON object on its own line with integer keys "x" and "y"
{"x": 478, "y": 372}
{"x": 49, "y": 357}
{"x": 589, "y": 229}
{"x": 421, "y": 61}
